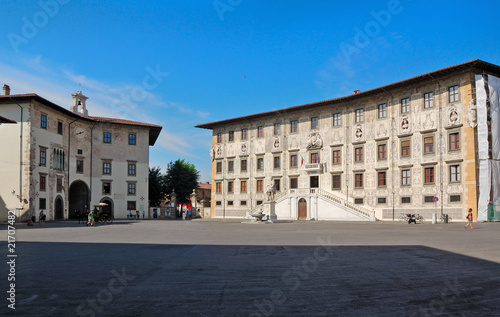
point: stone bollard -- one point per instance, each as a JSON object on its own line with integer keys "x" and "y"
{"x": 434, "y": 218}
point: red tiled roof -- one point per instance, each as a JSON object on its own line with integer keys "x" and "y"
{"x": 204, "y": 186}
{"x": 154, "y": 130}
{"x": 475, "y": 63}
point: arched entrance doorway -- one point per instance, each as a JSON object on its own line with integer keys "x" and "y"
{"x": 78, "y": 198}
{"x": 302, "y": 209}
{"x": 109, "y": 208}
{"x": 59, "y": 209}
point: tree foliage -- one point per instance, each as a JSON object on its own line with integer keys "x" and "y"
{"x": 157, "y": 187}
{"x": 182, "y": 177}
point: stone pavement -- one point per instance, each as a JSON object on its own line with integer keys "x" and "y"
{"x": 226, "y": 268}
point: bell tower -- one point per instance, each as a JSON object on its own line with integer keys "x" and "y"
{"x": 79, "y": 104}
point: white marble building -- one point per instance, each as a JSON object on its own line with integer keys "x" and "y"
{"x": 61, "y": 160}
{"x": 370, "y": 155}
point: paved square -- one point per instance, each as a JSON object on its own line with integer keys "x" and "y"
{"x": 226, "y": 268}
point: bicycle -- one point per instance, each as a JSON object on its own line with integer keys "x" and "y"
{"x": 419, "y": 218}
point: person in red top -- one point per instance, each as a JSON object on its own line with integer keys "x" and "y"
{"x": 469, "y": 217}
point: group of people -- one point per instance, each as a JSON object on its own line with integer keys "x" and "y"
{"x": 137, "y": 214}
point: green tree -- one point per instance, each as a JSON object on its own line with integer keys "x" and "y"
{"x": 157, "y": 186}
{"x": 183, "y": 177}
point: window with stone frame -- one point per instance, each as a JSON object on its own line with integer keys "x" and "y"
{"x": 293, "y": 161}
{"x": 59, "y": 127}
{"x": 314, "y": 158}
{"x": 43, "y": 121}
{"x": 294, "y": 182}
{"x": 43, "y": 182}
{"x": 428, "y": 100}
{"x": 405, "y": 148}
{"x": 79, "y": 166}
{"x": 218, "y": 167}
{"x": 260, "y": 185}
{"x": 336, "y": 157}
{"x": 453, "y": 94}
{"x": 276, "y": 162}
{"x": 358, "y": 154}
{"x": 358, "y": 180}
{"x": 277, "y": 184}
{"x": 106, "y": 188}
{"x": 314, "y": 123}
{"x": 405, "y": 177}
{"x": 454, "y": 173}
{"x": 230, "y": 186}
{"x": 106, "y": 137}
{"x": 294, "y": 126}
{"x": 429, "y": 144}
{"x": 382, "y": 111}
{"x": 231, "y": 136}
{"x": 382, "y": 151}
{"x": 382, "y": 179}
{"x": 59, "y": 184}
{"x": 429, "y": 175}
{"x": 260, "y": 163}
{"x": 244, "y": 134}
{"x": 132, "y": 139}
{"x": 454, "y": 141}
{"x": 337, "y": 119}
{"x": 219, "y": 137}
{"x": 405, "y": 105}
{"x": 243, "y": 165}
{"x": 106, "y": 167}
{"x": 42, "y": 203}
{"x": 260, "y": 132}
{"x": 276, "y": 129}
{"x": 131, "y": 189}
{"x": 243, "y": 186}
{"x": 131, "y": 168}
{"x": 359, "y": 115}
{"x": 218, "y": 187}
{"x": 43, "y": 156}
{"x": 131, "y": 205}
{"x": 336, "y": 182}
{"x": 230, "y": 166}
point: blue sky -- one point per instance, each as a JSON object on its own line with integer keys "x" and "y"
{"x": 182, "y": 63}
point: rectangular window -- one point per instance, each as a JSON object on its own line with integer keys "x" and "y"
{"x": 260, "y": 164}
{"x": 429, "y": 175}
{"x": 294, "y": 126}
{"x": 454, "y": 141}
{"x": 453, "y": 93}
{"x": 358, "y": 154}
{"x": 243, "y": 186}
{"x": 336, "y": 182}
{"x": 455, "y": 198}
{"x": 405, "y": 148}
{"x": 337, "y": 119}
{"x": 336, "y": 159}
{"x": 243, "y": 203}
{"x": 59, "y": 185}
{"x": 381, "y": 200}
{"x": 218, "y": 187}
{"x": 243, "y": 165}
{"x": 260, "y": 185}
{"x": 107, "y": 137}
{"x": 230, "y": 187}
{"x": 244, "y": 134}
{"x": 358, "y": 201}
{"x": 405, "y": 200}
{"x": 358, "y": 180}
{"x": 429, "y": 145}
{"x": 131, "y": 205}
{"x": 405, "y": 177}
{"x": 59, "y": 127}
{"x": 454, "y": 173}
{"x": 405, "y": 105}
{"x": 131, "y": 169}
{"x": 382, "y": 110}
{"x": 360, "y": 115}
{"x": 428, "y": 100}
{"x": 293, "y": 161}
{"x": 382, "y": 151}
{"x": 59, "y": 159}
{"x": 219, "y": 137}
{"x": 218, "y": 203}
{"x": 314, "y": 158}
{"x": 43, "y": 123}
{"x": 79, "y": 166}
{"x": 230, "y": 203}
{"x": 314, "y": 123}
{"x": 106, "y": 188}
{"x": 277, "y": 163}
{"x": 106, "y": 167}
{"x": 42, "y": 203}
{"x": 43, "y": 156}
{"x": 231, "y": 136}
{"x": 277, "y": 184}
{"x": 132, "y": 138}
{"x": 43, "y": 182}
{"x": 230, "y": 166}
{"x": 428, "y": 199}
{"x": 260, "y": 132}
{"x": 218, "y": 167}
{"x": 276, "y": 129}
{"x": 294, "y": 183}
{"x": 382, "y": 180}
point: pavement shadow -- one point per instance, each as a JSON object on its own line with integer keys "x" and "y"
{"x": 73, "y": 279}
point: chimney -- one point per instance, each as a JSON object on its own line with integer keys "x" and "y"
{"x": 6, "y": 90}
{"x": 357, "y": 91}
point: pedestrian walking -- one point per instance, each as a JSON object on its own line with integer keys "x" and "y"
{"x": 469, "y": 217}
{"x": 137, "y": 214}
{"x": 41, "y": 218}
{"x": 143, "y": 214}
{"x": 90, "y": 220}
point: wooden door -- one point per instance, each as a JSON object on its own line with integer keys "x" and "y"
{"x": 302, "y": 209}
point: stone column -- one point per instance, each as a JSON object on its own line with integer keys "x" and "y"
{"x": 269, "y": 210}
{"x": 173, "y": 204}
{"x": 194, "y": 206}
{"x": 202, "y": 208}
{"x": 162, "y": 209}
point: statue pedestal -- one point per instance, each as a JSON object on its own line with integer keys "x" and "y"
{"x": 269, "y": 210}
